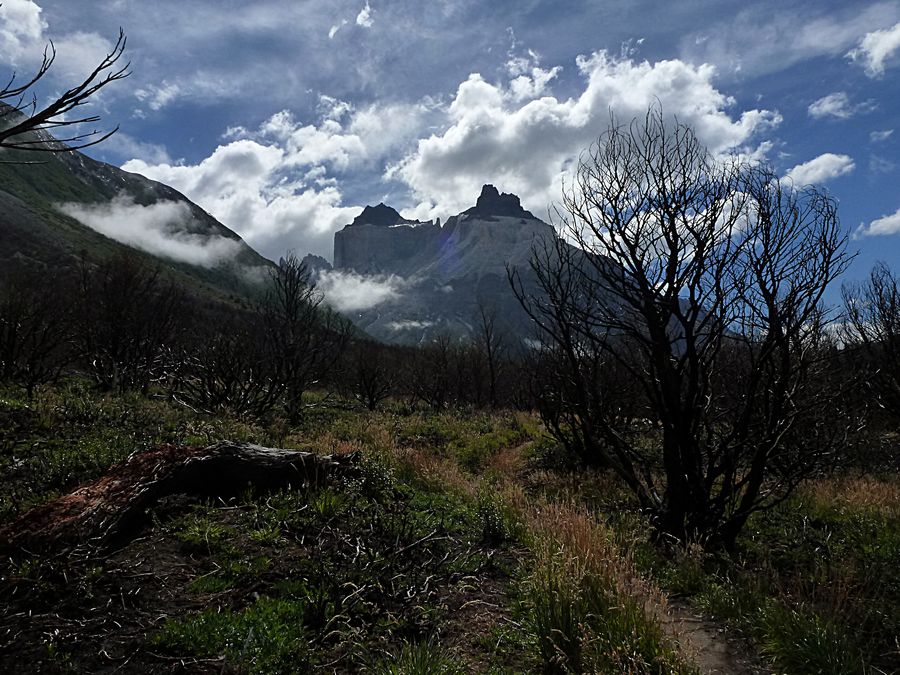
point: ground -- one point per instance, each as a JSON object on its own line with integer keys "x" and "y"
{"x": 459, "y": 543}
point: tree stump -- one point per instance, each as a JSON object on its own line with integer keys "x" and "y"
{"x": 111, "y": 508}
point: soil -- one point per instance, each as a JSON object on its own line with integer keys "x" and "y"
{"x": 713, "y": 648}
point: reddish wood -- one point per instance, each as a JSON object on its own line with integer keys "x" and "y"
{"x": 112, "y": 507}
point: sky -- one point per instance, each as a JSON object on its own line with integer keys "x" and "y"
{"x": 283, "y": 118}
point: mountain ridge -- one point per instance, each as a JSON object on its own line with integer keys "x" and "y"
{"x": 35, "y": 228}
{"x": 447, "y": 273}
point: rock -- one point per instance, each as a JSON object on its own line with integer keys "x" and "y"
{"x": 315, "y": 264}
{"x": 492, "y": 203}
{"x": 447, "y": 270}
{"x": 380, "y": 216}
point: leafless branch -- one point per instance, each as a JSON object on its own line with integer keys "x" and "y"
{"x": 24, "y": 125}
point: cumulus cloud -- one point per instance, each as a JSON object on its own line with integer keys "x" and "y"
{"x": 21, "y": 30}
{"x": 162, "y": 229}
{"x": 352, "y": 292}
{"x": 821, "y": 169}
{"x": 528, "y": 146}
{"x": 837, "y": 105}
{"x": 243, "y": 184}
{"x": 879, "y": 136}
{"x": 278, "y": 185}
{"x": 881, "y": 226}
{"x": 24, "y": 35}
{"x": 528, "y": 79}
{"x": 364, "y": 18}
{"x": 875, "y": 49}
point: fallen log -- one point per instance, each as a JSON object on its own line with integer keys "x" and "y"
{"x": 110, "y": 509}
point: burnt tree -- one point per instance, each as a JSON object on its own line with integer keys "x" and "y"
{"x": 702, "y": 282}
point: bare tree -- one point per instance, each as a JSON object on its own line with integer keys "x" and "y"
{"x": 228, "y": 367}
{"x": 431, "y": 372}
{"x": 373, "y": 372}
{"x": 702, "y": 282}
{"x": 128, "y": 318}
{"x": 872, "y": 330}
{"x": 306, "y": 339}
{"x": 25, "y": 125}
{"x": 492, "y": 344}
{"x": 35, "y": 328}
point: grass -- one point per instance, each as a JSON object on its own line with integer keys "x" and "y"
{"x": 590, "y": 611}
{"x": 462, "y": 542}
{"x": 814, "y": 584}
{"x": 422, "y": 658}
{"x": 365, "y": 569}
{"x": 265, "y": 637}
{"x": 70, "y": 434}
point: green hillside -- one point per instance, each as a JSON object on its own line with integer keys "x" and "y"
{"x": 33, "y": 231}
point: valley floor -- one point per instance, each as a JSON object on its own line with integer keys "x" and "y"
{"x": 460, "y": 542}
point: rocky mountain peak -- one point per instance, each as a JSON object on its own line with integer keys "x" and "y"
{"x": 380, "y": 215}
{"x": 491, "y": 202}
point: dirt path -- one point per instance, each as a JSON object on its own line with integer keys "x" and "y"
{"x": 709, "y": 644}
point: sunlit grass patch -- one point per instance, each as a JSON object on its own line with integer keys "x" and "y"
{"x": 265, "y": 637}
{"x": 589, "y": 609}
{"x": 880, "y": 494}
{"x": 421, "y": 658}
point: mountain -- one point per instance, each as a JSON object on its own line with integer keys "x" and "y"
{"x": 46, "y": 199}
{"x": 441, "y": 276}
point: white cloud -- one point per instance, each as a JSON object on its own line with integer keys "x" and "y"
{"x": 24, "y": 36}
{"x": 875, "y": 49}
{"x": 527, "y": 147}
{"x": 837, "y": 105}
{"x": 528, "y": 79}
{"x": 364, "y": 18}
{"x": 276, "y": 186}
{"x": 244, "y": 185}
{"x": 879, "y": 136}
{"x": 162, "y": 229}
{"x": 158, "y": 97}
{"x": 756, "y": 40}
{"x": 881, "y": 226}
{"x": 79, "y": 54}
{"x": 21, "y": 31}
{"x": 881, "y": 165}
{"x": 125, "y": 145}
{"x": 532, "y": 85}
{"x": 821, "y": 169}
{"x": 352, "y": 292}
{"x": 411, "y": 324}
{"x": 335, "y": 28}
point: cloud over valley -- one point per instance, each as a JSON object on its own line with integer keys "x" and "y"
{"x": 161, "y": 229}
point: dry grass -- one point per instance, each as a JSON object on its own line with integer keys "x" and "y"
{"x": 508, "y": 463}
{"x": 881, "y": 495}
{"x": 590, "y": 545}
{"x": 434, "y": 471}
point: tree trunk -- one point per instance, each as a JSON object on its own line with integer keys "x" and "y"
{"x": 111, "y": 509}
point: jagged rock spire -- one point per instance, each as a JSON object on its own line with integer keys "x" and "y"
{"x": 381, "y": 215}
{"x": 492, "y": 203}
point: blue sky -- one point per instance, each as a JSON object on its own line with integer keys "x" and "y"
{"x": 283, "y": 118}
